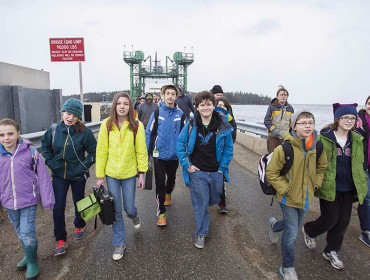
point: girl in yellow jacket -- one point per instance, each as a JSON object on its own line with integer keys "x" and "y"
{"x": 121, "y": 158}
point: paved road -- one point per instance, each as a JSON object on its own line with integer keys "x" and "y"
{"x": 238, "y": 247}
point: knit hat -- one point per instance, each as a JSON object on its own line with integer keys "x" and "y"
{"x": 344, "y": 109}
{"x": 73, "y": 106}
{"x": 217, "y": 89}
{"x": 295, "y": 116}
{"x": 149, "y": 96}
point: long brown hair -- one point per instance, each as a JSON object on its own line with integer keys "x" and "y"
{"x": 226, "y": 103}
{"x": 113, "y": 112}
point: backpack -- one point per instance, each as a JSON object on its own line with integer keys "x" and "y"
{"x": 266, "y": 187}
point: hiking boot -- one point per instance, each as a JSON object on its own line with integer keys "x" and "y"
{"x": 200, "y": 240}
{"x": 222, "y": 209}
{"x": 167, "y": 200}
{"x": 274, "y": 236}
{"x": 310, "y": 242}
{"x": 79, "y": 233}
{"x": 118, "y": 252}
{"x": 288, "y": 273}
{"x": 365, "y": 237}
{"x": 332, "y": 256}
{"x": 60, "y": 249}
{"x": 162, "y": 220}
{"x": 136, "y": 222}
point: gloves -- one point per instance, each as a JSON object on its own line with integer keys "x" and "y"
{"x": 275, "y": 133}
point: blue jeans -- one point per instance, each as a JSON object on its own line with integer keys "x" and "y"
{"x": 363, "y": 210}
{"x": 291, "y": 222}
{"x": 60, "y": 187}
{"x": 123, "y": 191}
{"x": 23, "y": 221}
{"x": 205, "y": 190}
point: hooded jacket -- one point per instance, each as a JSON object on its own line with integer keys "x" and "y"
{"x": 64, "y": 152}
{"x": 329, "y": 185}
{"x": 277, "y": 119}
{"x": 224, "y": 147}
{"x": 119, "y": 154}
{"x": 24, "y": 179}
{"x": 296, "y": 188}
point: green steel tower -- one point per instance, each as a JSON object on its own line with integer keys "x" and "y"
{"x": 175, "y": 69}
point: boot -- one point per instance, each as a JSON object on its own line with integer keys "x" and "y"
{"x": 33, "y": 269}
{"x": 23, "y": 262}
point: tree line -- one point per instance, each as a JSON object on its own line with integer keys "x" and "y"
{"x": 238, "y": 97}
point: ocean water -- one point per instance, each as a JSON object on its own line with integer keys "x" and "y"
{"x": 256, "y": 113}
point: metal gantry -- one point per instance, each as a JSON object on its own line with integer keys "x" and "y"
{"x": 175, "y": 69}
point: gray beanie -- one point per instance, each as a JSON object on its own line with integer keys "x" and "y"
{"x": 296, "y": 115}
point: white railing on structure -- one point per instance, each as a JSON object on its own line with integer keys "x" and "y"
{"x": 252, "y": 128}
{"x": 36, "y": 137}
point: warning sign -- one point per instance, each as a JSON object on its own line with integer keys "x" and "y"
{"x": 67, "y": 49}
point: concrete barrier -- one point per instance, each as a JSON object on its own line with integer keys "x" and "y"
{"x": 252, "y": 142}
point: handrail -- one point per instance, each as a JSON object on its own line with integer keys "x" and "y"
{"x": 252, "y": 128}
{"x": 35, "y": 137}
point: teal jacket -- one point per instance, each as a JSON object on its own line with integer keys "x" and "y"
{"x": 328, "y": 187}
{"x": 69, "y": 154}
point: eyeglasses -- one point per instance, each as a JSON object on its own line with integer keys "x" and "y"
{"x": 306, "y": 123}
{"x": 349, "y": 119}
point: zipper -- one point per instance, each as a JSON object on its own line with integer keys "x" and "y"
{"x": 64, "y": 153}
{"x": 33, "y": 189}
{"x": 13, "y": 183}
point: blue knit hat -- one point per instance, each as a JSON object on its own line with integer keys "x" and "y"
{"x": 73, "y": 106}
{"x": 344, "y": 109}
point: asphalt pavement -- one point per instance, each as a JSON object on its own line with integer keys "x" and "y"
{"x": 238, "y": 246}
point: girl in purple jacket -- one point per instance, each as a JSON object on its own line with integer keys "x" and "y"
{"x": 24, "y": 178}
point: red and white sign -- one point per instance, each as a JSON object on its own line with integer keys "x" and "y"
{"x": 67, "y": 49}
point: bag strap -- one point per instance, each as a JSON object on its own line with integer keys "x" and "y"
{"x": 289, "y": 156}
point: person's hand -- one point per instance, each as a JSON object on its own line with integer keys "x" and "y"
{"x": 275, "y": 133}
{"x": 141, "y": 181}
{"x": 192, "y": 169}
{"x": 100, "y": 182}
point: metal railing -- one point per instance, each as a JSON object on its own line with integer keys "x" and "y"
{"x": 252, "y": 128}
{"x": 36, "y": 137}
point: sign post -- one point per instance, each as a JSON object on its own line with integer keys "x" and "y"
{"x": 66, "y": 50}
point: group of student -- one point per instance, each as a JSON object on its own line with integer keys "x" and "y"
{"x": 338, "y": 177}
{"x": 203, "y": 145}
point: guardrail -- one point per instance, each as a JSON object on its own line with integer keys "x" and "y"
{"x": 36, "y": 137}
{"x": 252, "y": 128}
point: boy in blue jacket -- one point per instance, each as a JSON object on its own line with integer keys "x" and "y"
{"x": 205, "y": 150}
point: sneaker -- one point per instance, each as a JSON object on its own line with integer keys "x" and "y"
{"x": 60, "y": 249}
{"x": 274, "y": 236}
{"x": 222, "y": 209}
{"x": 167, "y": 200}
{"x": 136, "y": 222}
{"x": 333, "y": 258}
{"x": 365, "y": 237}
{"x": 79, "y": 233}
{"x": 118, "y": 252}
{"x": 310, "y": 242}
{"x": 288, "y": 273}
{"x": 200, "y": 240}
{"x": 162, "y": 220}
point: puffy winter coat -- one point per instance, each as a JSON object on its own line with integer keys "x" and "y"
{"x": 24, "y": 179}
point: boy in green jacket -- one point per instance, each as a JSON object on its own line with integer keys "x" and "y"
{"x": 295, "y": 190}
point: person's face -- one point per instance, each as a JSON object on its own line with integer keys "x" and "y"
{"x": 221, "y": 104}
{"x": 218, "y": 95}
{"x": 169, "y": 97}
{"x": 367, "y": 106}
{"x": 282, "y": 97}
{"x": 8, "y": 137}
{"x": 69, "y": 119}
{"x": 149, "y": 100}
{"x": 304, "y": 127}
{"x": 142, "y": 101}
{"x": 205, "y": 108}
{"x": 347, "y": 122}
{"x": 123, "y": 106}
{"x": 156, "y": 99}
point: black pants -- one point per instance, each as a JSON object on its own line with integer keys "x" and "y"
{"x": 161, "y": 169}
{"x": 334, "y": 219}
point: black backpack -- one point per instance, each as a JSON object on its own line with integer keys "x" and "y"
{"x": 266, "y": 187}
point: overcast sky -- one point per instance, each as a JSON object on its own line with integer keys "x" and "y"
{"x": 319, "y": 50}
